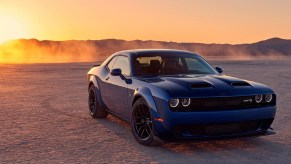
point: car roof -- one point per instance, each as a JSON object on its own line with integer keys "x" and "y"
{"x": 149, "y": 51}
{"x": 133, "y": 52}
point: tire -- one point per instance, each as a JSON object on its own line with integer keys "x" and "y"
{"x": 141, "y": 124}
{"x": 95, "y": 109}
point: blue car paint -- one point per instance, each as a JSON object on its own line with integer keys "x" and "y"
{"x": 157, "y": 92}
{"x": 146, "y": 94}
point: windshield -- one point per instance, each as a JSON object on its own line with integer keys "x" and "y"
{"x": 171, "y": 64}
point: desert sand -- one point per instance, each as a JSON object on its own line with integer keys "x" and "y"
{"x": 44, "y": 119}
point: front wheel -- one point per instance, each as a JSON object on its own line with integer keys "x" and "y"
{"x": 141, "y": 123}
{"x": 95, "y": 109}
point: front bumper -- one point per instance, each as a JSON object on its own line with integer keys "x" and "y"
{"x": 211, "y": 124}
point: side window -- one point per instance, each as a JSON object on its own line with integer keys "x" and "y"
{"x": 122, "y": 63}
{"x": 111, "y": 63}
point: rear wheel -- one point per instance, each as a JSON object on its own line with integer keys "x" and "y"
{"x": 95, "y": 109}
{"x": 141, "y": 123}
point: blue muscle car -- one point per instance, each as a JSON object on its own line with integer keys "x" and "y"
{"x": 172, "y": 94}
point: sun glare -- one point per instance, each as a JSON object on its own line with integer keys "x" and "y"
{"x": 10, "y": 28}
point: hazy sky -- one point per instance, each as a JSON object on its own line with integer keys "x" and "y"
{"x": 207, "y": 21}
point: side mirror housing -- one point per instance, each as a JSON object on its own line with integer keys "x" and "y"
{"x": 115, "y": 72}
{"x": 219, "y": 70}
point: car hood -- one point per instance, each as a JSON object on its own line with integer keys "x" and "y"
{"x": 205, "y": 85}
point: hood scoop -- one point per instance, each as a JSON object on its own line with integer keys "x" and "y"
{"x": 240, "y": 84}
{"x": 200, "y": 85}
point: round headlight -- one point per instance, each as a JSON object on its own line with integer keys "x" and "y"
{"x": 258, "y": 98}
{"x": 268, "y": 98}
{"x": 174, "y": 103}
{"x": 186, "y": 102}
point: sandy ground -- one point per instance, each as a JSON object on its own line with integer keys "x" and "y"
{"x": 44, "y": 119}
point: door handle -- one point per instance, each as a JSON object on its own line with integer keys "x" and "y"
{"x": 106, "y": 78}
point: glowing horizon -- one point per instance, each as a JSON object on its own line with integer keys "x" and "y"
{"x": 201, "y": 21}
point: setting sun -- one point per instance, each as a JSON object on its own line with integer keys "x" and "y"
{"x": 10, "y": 28}
{"x": 202, "y": 21}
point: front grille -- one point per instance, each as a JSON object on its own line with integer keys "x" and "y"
{"x": 222, "y": 103}
{"x": 221, "y": 129}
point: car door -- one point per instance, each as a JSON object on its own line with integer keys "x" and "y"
{"x": 115, "y": 89}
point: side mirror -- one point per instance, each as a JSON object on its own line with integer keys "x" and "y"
{"x": 115, "y": 72}
{"x": 219, "y": 70}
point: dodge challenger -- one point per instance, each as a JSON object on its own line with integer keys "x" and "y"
{"x": 172, "y": 94}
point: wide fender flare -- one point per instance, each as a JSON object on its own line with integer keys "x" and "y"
{"x": 93, "y": 80}
{"x": 146, "y": 94}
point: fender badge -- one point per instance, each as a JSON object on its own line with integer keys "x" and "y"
{"x": 248, "y": 101}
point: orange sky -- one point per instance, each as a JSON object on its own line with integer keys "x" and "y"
{"x": 207, "y": 21}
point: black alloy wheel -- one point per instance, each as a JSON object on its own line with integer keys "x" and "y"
{"x": 96, "y": 111}
{"x": 141, "y": 123}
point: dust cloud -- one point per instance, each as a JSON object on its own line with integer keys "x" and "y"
{"x": 35, "y": 51}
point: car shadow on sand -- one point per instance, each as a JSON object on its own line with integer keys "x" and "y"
{"x": 233, "y": 150}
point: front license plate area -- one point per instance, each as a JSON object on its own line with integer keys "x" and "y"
{"x": 222, "y": 129}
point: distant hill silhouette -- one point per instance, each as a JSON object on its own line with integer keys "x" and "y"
{"x": 32, "y": 50}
